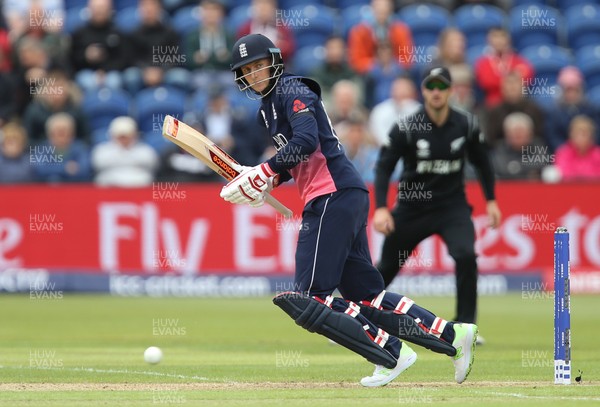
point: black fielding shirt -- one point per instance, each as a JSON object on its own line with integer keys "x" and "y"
{"x": 434, "y": 160}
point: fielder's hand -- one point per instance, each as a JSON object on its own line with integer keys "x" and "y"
{"x": 250, "y": 186}
{"x": 383, "y": 221}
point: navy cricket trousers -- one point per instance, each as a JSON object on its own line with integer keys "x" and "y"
{"x": 333, "y": 250}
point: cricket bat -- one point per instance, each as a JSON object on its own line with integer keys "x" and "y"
{"x": 201, "y": 147}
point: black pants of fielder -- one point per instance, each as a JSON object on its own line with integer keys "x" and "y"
{"x": 454, "y": 225}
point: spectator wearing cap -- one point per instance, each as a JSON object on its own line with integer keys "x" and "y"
{"x": 497, "y": 63}
{"x": 365, "y": 36}
{"x": 124, "y": 160}
{"x": 61, "y": 158}
{"x": 579, "y": 157}
{"x": 571, "y": 102}
{"x": 15, "y": 166}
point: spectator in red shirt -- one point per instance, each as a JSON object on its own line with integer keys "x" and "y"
{"x": 264, "y": 21}
{"x": 364, "y": 37}
{"x": 579, "y": 157}
{"x": 492, "y": 68}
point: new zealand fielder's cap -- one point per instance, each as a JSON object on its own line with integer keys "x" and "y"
{"x": 437, "y": 72}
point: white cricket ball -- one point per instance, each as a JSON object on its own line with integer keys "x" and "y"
{"x": 153, "y": 355}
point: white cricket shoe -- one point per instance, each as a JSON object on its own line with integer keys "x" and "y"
{"x": 382, "y": 376}
{"x": 464, "y": 342}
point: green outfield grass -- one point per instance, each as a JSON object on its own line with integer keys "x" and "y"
{"x": 87, "y": 350}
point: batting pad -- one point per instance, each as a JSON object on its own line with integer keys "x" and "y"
{"x": 314, "y": 316}
{"x": 406, "y": 328}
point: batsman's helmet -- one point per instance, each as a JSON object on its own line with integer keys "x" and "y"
{"x": 251, "y": 48}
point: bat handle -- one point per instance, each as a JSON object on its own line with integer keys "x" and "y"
{"x": 278, "y": 206}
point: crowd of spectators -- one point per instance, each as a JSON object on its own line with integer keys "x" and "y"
{"x": 369, "y": 74}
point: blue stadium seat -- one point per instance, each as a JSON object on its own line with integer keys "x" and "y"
{"x": 563, "y": 5}
{"x": 120, "y": 5}
{"x": 426, "y": 22}
{"x": 344, "y": 4}
{"x": 593, "y": 96}
{"x": 583, "y": 25}
{"x": 198, "y": 102}
{"x": 153, "y": 104}
{"x": 288, "y": 4}
{"x": 547, "y": 61}
{"x": 520, "y": 3}
{"x": 588, "y": 61}
{"x": 128, "y": 20}
{"x": 352, "y": 16}
{"x": 474, "y": 53}
{"x": 308, "y": 58}
{"x": 75, "y": 18}
{"x": 476, "y": 20}
{"x": 179, "y": 77}
{"x": 78, "y": 4}
{"x": 534, "y": 24}
{"x": 99, "y": 136}
{"x": 104, "y": 105}
{"x": 156, "y": 140}
{"x": 311, "y": 24}
{"x": 241, "y": 103}
{"x": 237, "y": 17}
{"x": 186, "y": 20}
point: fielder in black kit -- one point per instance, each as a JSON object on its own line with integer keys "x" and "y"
{"x": 434, "y": 143}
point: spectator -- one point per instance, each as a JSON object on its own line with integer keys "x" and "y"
{"x": 124, "y": 161}
{"x": 345, "y": 102}
{"x": 154, "y": 45}
{"x": 19, "y": 16}
{"x": 6, "y": 64}
{"x": 209, "y": 47}
{"x": 513, "y": 100}
{"x": 492, "y": 68}
{"x": 381, "y": 75}
{"x": 519, "y": 155}
{"x": 62, "y": 158}
{"x": 98, "y": 49}
{"x": 451, "y": 47}
{"x": 31, "y": 64}
{"x": 54, "y": 93}
{"x": 216, "y": 120}
{"x": 7, "y": 97}
{"x": 15, "y": 167}
{"x": 579, "y": 158}
{"x": 360, "y": 147}
{"x": 463, "y": 94}
{"x": 334, "y": 68}
{"x": 401, "y": 103}
{"x": 364, "y": 37}
{"x": 264, "y": 21}
{"x": 571, "y": 103}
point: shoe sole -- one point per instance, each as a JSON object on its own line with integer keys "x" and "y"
{"x": 473, "y": 340}
{"x": 403, "y": 368}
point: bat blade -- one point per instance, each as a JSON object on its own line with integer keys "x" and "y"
{"x": 201, "y": 147}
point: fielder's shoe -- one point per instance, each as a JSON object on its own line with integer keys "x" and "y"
{"x": 382, "y": 376}
{"x": 480, "y": 340}
{"x": 464, "y": 342}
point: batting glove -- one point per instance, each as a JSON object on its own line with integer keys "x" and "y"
{"x": 250, "y": 186}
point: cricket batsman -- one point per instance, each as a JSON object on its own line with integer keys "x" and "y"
{"x": 332, "y": 250}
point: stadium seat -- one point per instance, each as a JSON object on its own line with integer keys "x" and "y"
{"x": 128, "y": 20}
{"x": 534, "y": 24}
{"x": 588, "y": 61}
{"x": 237, "y": 17}
{"x": 186, "y": 20}
{"x": 563, "y": 5}
{"x": 198, "y": 102}
{"x": 156, "y": 140}
{"x": 311, "y": 24}
{"x": 75, "y": 18}
{"x": 344, "y": 4}
{"x": 352, "y": 16}
{"x": 308, "y": 58}
{"x": 104, "y": 105}
{"x": 475, "y": 52}
{"x": 426, "y": 22}
{"x": 99, "y": 136}
{"x": 547, "y": 60}
{"x": 241, "y": 103}
{"x": 180, "y": 78}
{"x": 120, "y": 5}
{"x": 520, "y": 3}
{"x": 153, "y": 104}
{"x": 583, "y": 25}
{"x": 593, "y": 96}
{"x": 77, "y": 4}
{"x": 289, "y": 4}
{"x": 476, "y": 20}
